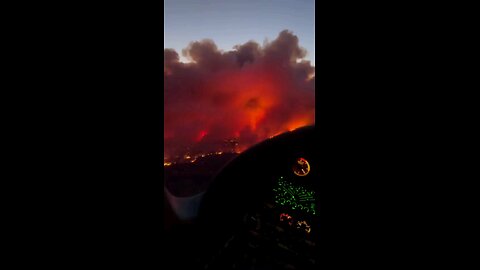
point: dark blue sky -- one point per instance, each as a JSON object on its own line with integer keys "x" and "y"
{"x": 229, "y": 22}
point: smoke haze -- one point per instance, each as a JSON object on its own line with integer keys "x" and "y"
{"x": 250, "y": 93}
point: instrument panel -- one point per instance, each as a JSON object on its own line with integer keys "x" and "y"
{"x": 286, "y": 224}
{"x": 273, "y": 219}
{"x": 295, "y": 196}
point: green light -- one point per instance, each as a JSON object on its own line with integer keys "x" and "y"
{"x": 293, "y": 196}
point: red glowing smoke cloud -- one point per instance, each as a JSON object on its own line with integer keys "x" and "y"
{"x": 250, "y": 93}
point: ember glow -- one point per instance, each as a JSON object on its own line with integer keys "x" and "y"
{"x": 248, "y": 94}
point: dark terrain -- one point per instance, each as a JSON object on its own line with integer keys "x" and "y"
{"x": 190, "y": 178}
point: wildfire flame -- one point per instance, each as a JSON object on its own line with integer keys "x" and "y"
{"x": 251, "y": 93}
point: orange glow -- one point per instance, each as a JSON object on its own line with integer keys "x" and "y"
{"x": 231, "y": 100}
{"x": 276, "y": 134}
{"x": 303, "y": 224}
{"x": 302, "y": 167}
{"x": 241, "y": 149}
{"x": 291, "y": 126}
{"x": 251, "y": 111}
{"x": 254, "y": 93}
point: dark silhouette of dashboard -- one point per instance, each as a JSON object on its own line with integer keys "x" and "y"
{"x": 261, "y": 211}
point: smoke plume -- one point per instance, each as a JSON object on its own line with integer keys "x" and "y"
{"x": 250, "y": 93}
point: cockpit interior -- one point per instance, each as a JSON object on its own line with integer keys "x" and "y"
{"x": 260, "y": 211}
